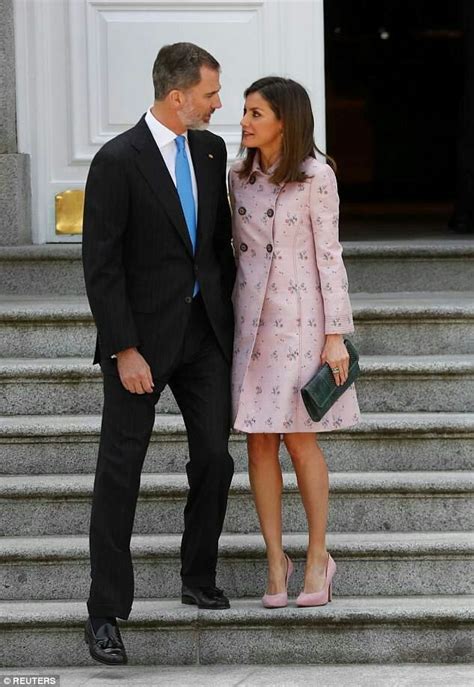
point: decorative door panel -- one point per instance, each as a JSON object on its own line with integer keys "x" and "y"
{"x": 84, "y": 74}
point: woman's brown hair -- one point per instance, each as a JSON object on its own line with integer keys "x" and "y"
{"x": 290, "y": 102}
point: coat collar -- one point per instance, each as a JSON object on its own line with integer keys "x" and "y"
{"x": 256, "y": 169}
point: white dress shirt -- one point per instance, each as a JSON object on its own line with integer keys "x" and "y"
{"x": 165, "y": 140}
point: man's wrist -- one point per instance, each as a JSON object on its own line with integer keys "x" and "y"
{"x": 124, "y": 352}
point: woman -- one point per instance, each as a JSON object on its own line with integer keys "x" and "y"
{"x": 291, "y": 311}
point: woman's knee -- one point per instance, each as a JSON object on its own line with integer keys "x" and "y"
{"x": 301, "y": 446}
{"x": 263, "y": 447}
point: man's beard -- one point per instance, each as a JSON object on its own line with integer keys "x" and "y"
{"x": 198, "y": 125}
{"x": 191, "y": 120}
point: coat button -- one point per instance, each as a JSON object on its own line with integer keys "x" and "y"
{"x": 269, "y": 247}
{"x": 270, "y": 212}
{"x": 242, "y": 211}
{"x": 243, "y": 247}
{"x": 195, "y": 269}
{"x": 252, "y": 179}
{"x": 188, "y": 299}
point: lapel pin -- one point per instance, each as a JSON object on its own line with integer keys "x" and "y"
{"x": 211, "y": 156}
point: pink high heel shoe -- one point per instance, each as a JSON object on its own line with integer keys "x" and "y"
{"x": 279, "y": 600}
{"x": 325, "y": 595}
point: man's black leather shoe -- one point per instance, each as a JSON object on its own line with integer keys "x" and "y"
{"x": 218, "y": 592}
{"x": 212, "y": 598}
{"x": 106, "y": 646}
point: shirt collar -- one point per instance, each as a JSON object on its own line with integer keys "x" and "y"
{"x": 160, "y": 132}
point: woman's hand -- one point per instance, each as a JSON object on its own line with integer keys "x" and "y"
{"x": 336, "y": 356}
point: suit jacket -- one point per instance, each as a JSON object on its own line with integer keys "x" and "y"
{"x": 138, "y": 261}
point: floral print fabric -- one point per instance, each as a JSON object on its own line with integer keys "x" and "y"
{"x": 291, "y": 289}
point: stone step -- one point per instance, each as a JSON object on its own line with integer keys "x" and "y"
{"x": 374, "y": 630}
{"x": 423, "y": 383}
{"x": 274, "y": 675}
{"x": 43, "y": 444}
{"x": 402, "y": 323}
{"x": 68, "y": 386}
{"x": 42, "y": 269}
{"x": 415, "y": 265}
{"x": 368, "y": 564}
{"x": 410, "y": 323}
{"x": 395, "y": 265}
{"x": 34, "y": 505}
{"x": 46, "y": 326}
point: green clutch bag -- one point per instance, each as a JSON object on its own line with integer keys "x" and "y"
{"x": 321, "y": 392}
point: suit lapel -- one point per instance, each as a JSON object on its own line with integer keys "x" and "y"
{"x": 205, "y": 170}
{"x": 151, "y": 164}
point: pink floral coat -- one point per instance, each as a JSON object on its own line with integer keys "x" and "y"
{"x": 291, "y": 289}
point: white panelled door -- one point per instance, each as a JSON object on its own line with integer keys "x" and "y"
{"x": 84, "y": 73}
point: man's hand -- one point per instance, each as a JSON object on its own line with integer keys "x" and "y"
{"x": 134, "y": 372}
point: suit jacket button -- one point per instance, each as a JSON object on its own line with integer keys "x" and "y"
{"x": 252, "y": 179}
{"x": 242, "y": 211}
{"x": 269, "y": 247}
{"x": 188, "y": 299}
{"x": 243, "y": 247}
{"x": 195, "y": 269}
{"x": 270, "y": 212}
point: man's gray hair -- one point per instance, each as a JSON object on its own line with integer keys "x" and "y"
{"x": 179, "y": 66}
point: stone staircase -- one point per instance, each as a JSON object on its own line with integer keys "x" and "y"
{"x": 401, "y": 487}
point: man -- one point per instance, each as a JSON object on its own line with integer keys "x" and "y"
{"x": 159, "y": 271}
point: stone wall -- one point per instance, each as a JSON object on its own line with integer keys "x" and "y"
{"x": 15, "y": 183}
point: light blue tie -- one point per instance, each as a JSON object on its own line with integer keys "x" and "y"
{"x": 185, "y": 191}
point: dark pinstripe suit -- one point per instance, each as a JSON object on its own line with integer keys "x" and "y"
{"x": 140, "y": 273}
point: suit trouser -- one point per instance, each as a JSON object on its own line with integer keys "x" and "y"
{"x": 200, "y": 384}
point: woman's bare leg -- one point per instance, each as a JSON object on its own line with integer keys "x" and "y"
{"x": 267, "y": 486}
{"x": 312, "y": 475}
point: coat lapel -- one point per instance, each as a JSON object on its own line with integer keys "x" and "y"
{"x": 151, "y": 164}
{"x": 205, "y": 170}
